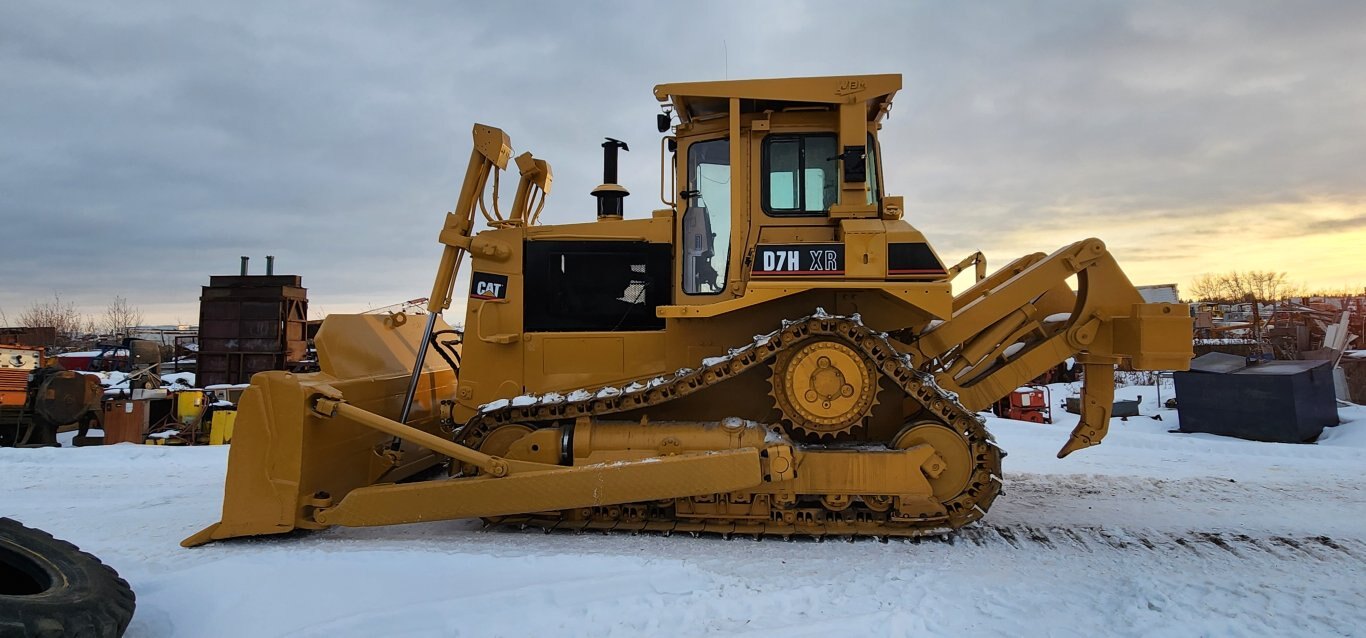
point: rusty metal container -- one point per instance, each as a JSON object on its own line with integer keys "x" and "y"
{"x": 250, "y": 324}
{"x": 25, "y": 336}
{"x": 126, "y": 421}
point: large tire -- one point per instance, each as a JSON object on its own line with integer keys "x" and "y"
{"x": 48, "y": 587}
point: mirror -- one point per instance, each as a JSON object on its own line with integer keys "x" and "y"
{"x": 855, "y": 163}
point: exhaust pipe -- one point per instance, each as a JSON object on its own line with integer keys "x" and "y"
{"x": 610, "y": 194}
{"x": 270, "y": 265}
{"x": 245, "y": 259}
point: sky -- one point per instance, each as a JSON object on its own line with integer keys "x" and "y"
{"x": 146, "y": 146}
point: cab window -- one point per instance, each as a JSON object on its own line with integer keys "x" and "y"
{"x": 706, "y": 221}
{"x": 800, "y": 175}
{"x": 595, "y": 286}
{"x": 874, "y": 193}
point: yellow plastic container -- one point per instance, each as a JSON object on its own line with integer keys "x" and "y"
{"x": 189, "y": 406}
{"x": 220, "y": 426}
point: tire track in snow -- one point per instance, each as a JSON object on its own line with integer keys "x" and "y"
{"x": 1087, "y": 539}
{"x": 1202, "y": 544}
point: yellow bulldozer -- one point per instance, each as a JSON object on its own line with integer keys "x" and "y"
{"x": 774, "y": 351}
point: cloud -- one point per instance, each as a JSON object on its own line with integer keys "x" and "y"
{"x": 1323, "y": 226}
{"x": 146, "y": 146}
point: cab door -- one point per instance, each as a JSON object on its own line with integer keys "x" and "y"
{"x": 705, "y": 228}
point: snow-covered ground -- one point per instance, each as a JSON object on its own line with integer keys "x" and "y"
{"x": 1152, "y": 533}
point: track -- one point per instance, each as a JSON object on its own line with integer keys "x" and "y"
{"x": 805, "y": 518}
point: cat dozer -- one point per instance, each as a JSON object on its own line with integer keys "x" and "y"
{"x": 776, "y": 350}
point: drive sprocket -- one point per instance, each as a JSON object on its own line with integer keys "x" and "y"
{"x": 823, "y": 388}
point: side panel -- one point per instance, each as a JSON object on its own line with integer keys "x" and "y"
{"x": 590, "y": 315}
{"x": 491, "y": 365}
{"x": 558, "y": 361}
{"x": 505, "y": 356}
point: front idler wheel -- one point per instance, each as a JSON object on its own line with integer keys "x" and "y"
{"x": 950, "y": 471}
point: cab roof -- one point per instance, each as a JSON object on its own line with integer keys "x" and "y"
{"x": 696, "y": 99}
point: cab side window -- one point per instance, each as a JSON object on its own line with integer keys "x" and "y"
{"x": 800, "y": 175}
{"x": 706, "y": 221}
{"x": 874, "y": 192}
{"x": 595, "y": 286}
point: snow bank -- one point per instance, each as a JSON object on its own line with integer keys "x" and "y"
{"x": 1351, "y": 432}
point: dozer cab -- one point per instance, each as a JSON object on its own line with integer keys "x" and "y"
{"x": 774, "y": 351}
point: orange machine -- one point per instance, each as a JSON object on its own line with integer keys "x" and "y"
{"x": 16, "y": 364}
{"x": 1027, "y": 403}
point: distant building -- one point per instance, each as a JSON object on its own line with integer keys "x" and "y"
{"x": 167, "y": 335}
{"x": 1160, "y": 293}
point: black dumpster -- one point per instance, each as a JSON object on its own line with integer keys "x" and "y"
{"x": 1276, "y": 401}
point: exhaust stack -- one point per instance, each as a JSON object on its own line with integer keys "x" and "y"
{"x": 610, "y": 194}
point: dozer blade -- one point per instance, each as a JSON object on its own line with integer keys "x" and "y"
{"x": 283, "y": 455}
{"x": 313, "y": 450}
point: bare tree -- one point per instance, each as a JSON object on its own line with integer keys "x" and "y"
{"x": 1266, "y": 285}
{"x": 63, "y": 318}
{"x": 120, "y": 317}
{"x": 1236, "y": 286}
{"x": 1206, "y": 287}
{"x": 1339, "y": 291}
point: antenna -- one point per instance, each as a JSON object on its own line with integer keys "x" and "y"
{"x": 725, "y": 51}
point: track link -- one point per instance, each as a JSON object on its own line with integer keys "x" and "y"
{"x": 785, "y": 519}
